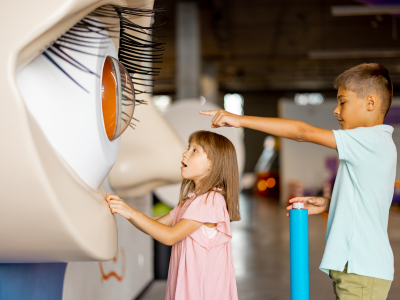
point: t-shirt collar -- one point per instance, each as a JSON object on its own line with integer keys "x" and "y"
{"x": 386, "y": 128}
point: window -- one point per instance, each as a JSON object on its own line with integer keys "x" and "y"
{"x": 306, "y": 99}
{"x": 161, "y": 102}
{"x": 233, "y": 103}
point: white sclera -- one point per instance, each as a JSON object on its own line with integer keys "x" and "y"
{"x": 70, "y": 117}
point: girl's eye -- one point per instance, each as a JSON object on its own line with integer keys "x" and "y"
{"x": 195, "y": 150}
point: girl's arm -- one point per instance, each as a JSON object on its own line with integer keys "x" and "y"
{"x": 290, "y": 129}
{"x": 165, "y": 219}
{"x": 163, "y": 233}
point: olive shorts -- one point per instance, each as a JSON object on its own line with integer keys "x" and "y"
{"x": 357, "y": 287}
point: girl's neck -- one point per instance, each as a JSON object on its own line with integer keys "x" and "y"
{"x": 197, "y": 186}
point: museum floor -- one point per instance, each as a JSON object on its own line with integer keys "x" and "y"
{"x": 260, "y": 247}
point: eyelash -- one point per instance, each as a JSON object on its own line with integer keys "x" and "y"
{"x": 132, "y": 50}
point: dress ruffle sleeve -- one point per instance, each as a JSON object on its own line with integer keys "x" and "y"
{"x": 210, "y": 208}
{"x": 174, "y": 213}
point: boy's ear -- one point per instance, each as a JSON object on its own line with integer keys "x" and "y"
{"x": 372, "y": 102}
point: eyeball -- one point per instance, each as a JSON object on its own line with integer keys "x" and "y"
{"x": 118, "y": 98}
{"x": 90, "y": 116}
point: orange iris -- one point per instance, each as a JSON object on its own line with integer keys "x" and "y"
{"x": 109, "y": 99}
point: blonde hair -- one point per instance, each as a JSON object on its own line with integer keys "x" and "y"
{"x": 224, "y": 172}
{"x": 368, "y": 79}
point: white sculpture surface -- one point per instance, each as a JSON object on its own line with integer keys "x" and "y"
{"x": 54, "y": 154}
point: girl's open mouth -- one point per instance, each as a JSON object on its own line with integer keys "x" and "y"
{"x": 183, "y": 165}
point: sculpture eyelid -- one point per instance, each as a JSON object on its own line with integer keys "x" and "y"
{"x": 75, "y": 39}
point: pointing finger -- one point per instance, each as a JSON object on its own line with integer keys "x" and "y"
{"x": 208, "y": 112}
{"x": 216, "y": 116}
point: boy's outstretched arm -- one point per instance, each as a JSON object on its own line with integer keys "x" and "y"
{"x": 290, "y": 129}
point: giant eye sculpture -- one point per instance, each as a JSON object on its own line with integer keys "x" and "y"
{"x": 70, "y": 89}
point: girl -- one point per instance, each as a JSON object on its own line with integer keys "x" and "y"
{"x": 198, "y": 228}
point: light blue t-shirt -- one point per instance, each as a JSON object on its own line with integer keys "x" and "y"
{"x": 359, "y": 209}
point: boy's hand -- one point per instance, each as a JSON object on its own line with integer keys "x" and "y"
{"x": 222, "y": 118}
{"x": 315, "y": 205}
{"x": 119, "y": 206}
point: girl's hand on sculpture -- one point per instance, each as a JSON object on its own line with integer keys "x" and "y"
{"x": 119, "y": 206}
{"x": 315, "y": 205}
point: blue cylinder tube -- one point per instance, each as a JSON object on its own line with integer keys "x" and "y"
{"x": 299, "y": 278}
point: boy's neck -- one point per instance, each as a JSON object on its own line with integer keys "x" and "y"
{"x": 370, "y": 122}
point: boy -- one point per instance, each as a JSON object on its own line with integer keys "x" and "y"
{"x": 357, "y": 256}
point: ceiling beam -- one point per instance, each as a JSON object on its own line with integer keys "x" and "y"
{"x": 359, "y": 10}
{"x": 353, "y": 54}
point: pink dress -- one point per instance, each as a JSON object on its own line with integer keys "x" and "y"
{"x": 202, "y": 268}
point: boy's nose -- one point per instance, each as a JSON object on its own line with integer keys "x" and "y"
{"x": 336, "y": 110}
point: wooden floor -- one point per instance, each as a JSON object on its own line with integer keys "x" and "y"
{"x": 260, "y": 247}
